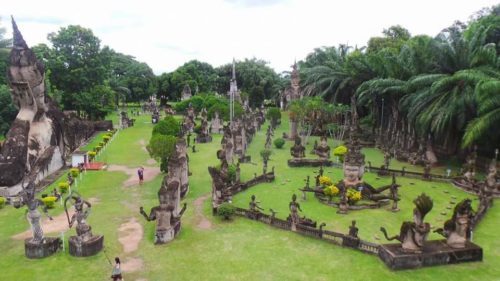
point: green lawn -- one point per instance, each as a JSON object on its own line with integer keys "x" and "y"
{"x": 240, "y": 249}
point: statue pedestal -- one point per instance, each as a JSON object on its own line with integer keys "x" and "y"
{"x": 435, "y": 252}
{"x": 245, "y": 159}
{"x": 87, "y": 248}
{"x": 302, "y": 162}
{"x": 41, "y": 250}
{"x": 203, "y": 139}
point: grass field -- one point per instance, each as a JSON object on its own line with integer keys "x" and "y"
{"x": 240, "y": 249}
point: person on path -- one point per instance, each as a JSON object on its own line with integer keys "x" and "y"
{"x": 116, "y": 275}
{"x": 140, "y": 173}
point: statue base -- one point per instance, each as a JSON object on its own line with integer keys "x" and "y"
{"x": 87, "y": 248}
{"x": 302, "y": 162}
{"x": 245, "y": 159}
{"x": 203, "y": 139}
{"x": 42, "y": 250}
{"x": 435, "y": 252}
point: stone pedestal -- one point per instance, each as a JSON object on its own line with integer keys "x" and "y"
{"x": 41, "y": 250}
{"x": 435, "y": 252}
{"x": 203, "y": 139}
{"x": 87, "y": 248}
{"x": 302, "y": 162}
{"x": 245, "y": 159}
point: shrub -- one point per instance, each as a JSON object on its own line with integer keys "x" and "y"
{"x": 226, "y": 211}
{"x": 279, "y": 142}
{"x": 266, "y": 154}
{"x": 97, "y": 148}
{"x": 91, "y": 154}
{"x": 340, "y": 150}
{"x": 74, "y": 172}
{"x": 106, "y": 138}
{"x": 63, "y": 186}
{"x": 331, "y": 190}
{"x": 324, "y": 180}
{"x": 2, "y": 202}
{"x": 353, "y": 195}
{"x": 273, "y": 114}
{"x": 168, "y": 127}
{"x": 49, "y": 201}
{"x": 101, "y": 143}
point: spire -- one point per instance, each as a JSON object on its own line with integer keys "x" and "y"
{"x": 234, "y": 69}
{"x": 18, "y": 37}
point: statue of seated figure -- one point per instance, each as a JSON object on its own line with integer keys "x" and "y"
{"x": 323, "y": 150}
{"x": 298, "y": 150}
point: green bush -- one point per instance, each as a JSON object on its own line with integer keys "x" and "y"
{"x": 74, "y": 172}
{"x": 340, "y": 150}
{"x": 63, "y": 186}
{"x": 168, "y": 127}
{"x": 101, "y": 143}
{"x": 265, "y": 154}
{"x": 49, "y": 201}
{"x": 106, "y": 138}
{"x": 196, "y": 101}
{"x": 226, "y": 211}
{"x": 279, "y": 142}
{"x": 2, "y": 202}
{"x": 92, "y": 154}
{"x": 273, "y": 114}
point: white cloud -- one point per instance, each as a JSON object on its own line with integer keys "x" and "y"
{"x": 165, "y": 34}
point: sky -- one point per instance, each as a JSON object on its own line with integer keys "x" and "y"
{"x": 166, "y": 34}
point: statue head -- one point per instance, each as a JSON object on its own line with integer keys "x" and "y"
{"x": 298, "y": 141}
{"x": 423, "y": 205}
{"x": 253, "y": 197}
{"x": 353, "y": 173}
{"x": 294, "y": 197}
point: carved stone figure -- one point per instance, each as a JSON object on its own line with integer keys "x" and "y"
{"x": 41, "y": 135}
{"x": 298, "y": 150}
{"x": 84, "y": 244}
{"x": 228, "y": 144}
{"x": 294, "y": 207}
{"x": 323, "y": 150}
{"x": 458, "y": 230}
{"x": 178, "y": 166}
{"x": 254, "y": 207}
{"x": 216, "y": 125}
{"x": 414, "y": 234}
{"x": 186, "y": 92}
{"x": 166, "y": 214}
{"x": 353, "y": 230}
{"x": 204, "y": 135}
{"x": 38, "y": 246}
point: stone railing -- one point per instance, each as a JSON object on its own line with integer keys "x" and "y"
{"x": 336, "y": 238}
{"x": 238, "y": 187}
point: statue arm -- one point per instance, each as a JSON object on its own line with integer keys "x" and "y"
{"x": 182, "y": 210}
{"x": 151, "y": 216}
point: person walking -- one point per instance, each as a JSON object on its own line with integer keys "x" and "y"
{"x": 116, "y": 275}
{"x": 140, "y": 173}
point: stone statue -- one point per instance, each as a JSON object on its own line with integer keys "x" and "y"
{"x": 394, "y": 194}
{"x": 458, "y": 230}
{"x": 414, "y": 234}
{"x": 84, "y": 243}
{"x": 228, "y": 144}
{"x": 186, "y": 92}
{"x": 323, "y": 150}
{"x": 491, "y": 182}
{"x": 353, "y": 230}
{"x": 41, "y": 136}
{"x": 294, "y": 207}
{"x": 298, "y": 150}
{"x": 168, "y": 219}
{"x": 216, "y": 124}
{"x": 254, "y": 205}
{"x": 178, "y": 166}
{"x": 38, "y": 246}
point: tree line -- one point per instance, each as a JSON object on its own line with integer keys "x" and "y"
{"x": 444, "y": 88}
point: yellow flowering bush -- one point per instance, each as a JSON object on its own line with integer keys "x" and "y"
{"x": 63, "y": 186}
{"x": 331, "y": 190}
{"x": 49, "y": 201}
{"x": 324, "y": 180}
{"x": 353, "y": 195}
{"x": 340, "y": 150}
{"x": 2, "y": 202}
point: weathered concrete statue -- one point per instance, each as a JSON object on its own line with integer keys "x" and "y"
{"x": 178, "y": 166}
{"x": 167, "y": 214}
{"x": 84, "y": 244}
{"x": 38, "y": 246}
{"x": 298, "y": 150}
{"x": 323, "y": 150}
{"x": 458, "y": 230}
{"x": 414, "y": 234}
{"x": 186, "y": 92}
{"x": 40, "y": 136}
{"x": 216, "y": 124}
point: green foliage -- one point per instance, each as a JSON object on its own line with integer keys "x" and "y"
{"x": 279, "y": 142}
{"x": 340, "y": 150}
{"x": 7, "y": 109}
{"x": 106, "y": 138}
{"x": 63, "y": 186}
{"x": 92, "y": 154}
{"x": 169, "y": 126}
{"x": 195, "y": 101}
{"x": 266, "y": 154}
{"x": 74, "y": 172}
{"x": 212, "y": 103}
{"x": 226, "y": 211}
{"x": 273, "y": 114}
{"x": 96, "y": 103}
{"x": 161, "y": 147}
{"x": 2, "y": 202}
{"x": 49, "y": 201}
{"x": 231, "y": 172}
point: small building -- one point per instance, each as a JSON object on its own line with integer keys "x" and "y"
{"x": 79, "y": 157}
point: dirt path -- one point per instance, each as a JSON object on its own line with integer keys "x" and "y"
{"x": 56, "y": 225}
{"x": 149, "y": 173}
{"x": 203, "y": 222}
{"x": 130, "y": 234}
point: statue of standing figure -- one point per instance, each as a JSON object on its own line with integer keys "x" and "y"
{"x": 84, "y": 244}
{"x": 38, "y": 246}
{"x": 294, "y": 207}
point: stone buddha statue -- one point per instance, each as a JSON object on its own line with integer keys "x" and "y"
{"x": 323, "y": 150}
{"x": 298, "y": 150}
